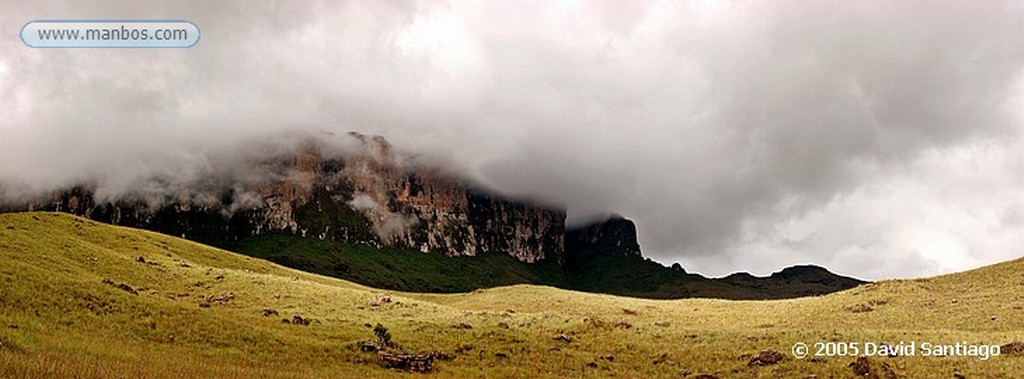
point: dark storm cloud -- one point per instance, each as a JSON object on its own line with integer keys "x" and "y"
{"x": 876, "y": 138}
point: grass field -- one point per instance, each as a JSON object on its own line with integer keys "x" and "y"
{"x": 187, "y": 310}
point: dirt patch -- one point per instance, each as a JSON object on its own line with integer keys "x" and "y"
{"x": 380, "y": 300}
{"x": 219, "y": 299}
{"x": 408, "y": 362}
{"x": 860, "y": 308}
{"x": 1015, "y": 349}
{"x": 765, "y": 357}
{"x": 861, "y": 366}
{"x": 121, "y": 286}
{"x": 298, "y": 320}
{"x": 663, "y": 359}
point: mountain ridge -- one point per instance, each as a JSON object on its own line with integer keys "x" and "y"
{"x": 377, "y": 196}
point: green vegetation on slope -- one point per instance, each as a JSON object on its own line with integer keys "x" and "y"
{"x": 591, "y": 270}
{"x": 197, "y": 311}
{"x": 398, "y": 269}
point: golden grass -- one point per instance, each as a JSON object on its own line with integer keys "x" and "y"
{"x": 58, "y": 319}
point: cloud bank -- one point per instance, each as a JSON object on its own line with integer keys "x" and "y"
{"x": 878, "y": 139}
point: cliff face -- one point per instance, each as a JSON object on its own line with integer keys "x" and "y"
{"x": 615, "y": 236}
{"x": 372, "y": 195}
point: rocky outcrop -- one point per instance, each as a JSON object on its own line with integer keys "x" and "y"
{"x": 616, "y": 235}
{"x": 371, "y": 195}
{"x": 424, "y": 209}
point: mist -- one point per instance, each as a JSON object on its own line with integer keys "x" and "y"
{"x": 875, "y": 138}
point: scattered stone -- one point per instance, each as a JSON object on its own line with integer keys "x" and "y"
{"x": 184, "y": 264}
{"x": 563, "y": 338}
{"x": 299, "y": 320}
{"x": 593, "y": 322}
{"x": 860, "y": 308}
{"x": 121, "y": 286}
{"x": 1013, "y": 348}
{"x": 220, "y": 299}
{"x": 861, "y": 366}
{"x": 609, "y": 358}
{"x": 440, "y": 355}
{"x": 218, "y": 277}
{"x": 818, "y": 360}
{"x": 369, "y": 347}
{"x": 501, "y": 355}
{"x": 408, "y": 362}
{"x": 766, "y": 357}
{"x": 622, "y": 324}
{"x": 140, "y": 259}
{"x": 10, "y": 226}
{"x": 461, "y": 348}
{"x": 368, "y": 325}
{"x": 663, "y": 358}
{"x": 510, "y": 311}
{"x": 662, "y": 324}
{"x": 286, "y": 321}
{"x": 204, "y": 305}
{"x": 629, "y": 312}
{"x": 503, "y": 325}
{"x": 380, "y": 299}
{"x": 888, "y": 372}
{"x": 267, "y": 312}
{"x": 198, "y": 284}
{"x": 463, "y": 325}
{"x": 957, "y": 375}
{"x": 12, "y": 326}
{"x": 705, "y": 376}
{"x": 592, "y": 364}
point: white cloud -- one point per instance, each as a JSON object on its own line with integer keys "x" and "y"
{"x": 739, "y": 135}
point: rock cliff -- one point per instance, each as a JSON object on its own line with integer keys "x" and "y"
{"x": 372, "y": 194}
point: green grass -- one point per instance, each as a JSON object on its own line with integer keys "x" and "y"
{"x": 58, "y": 319}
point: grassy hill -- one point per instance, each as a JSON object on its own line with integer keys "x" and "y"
{"x": 76, "y": 301}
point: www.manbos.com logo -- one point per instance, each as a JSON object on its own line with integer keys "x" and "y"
{"x": 112, "y": 34}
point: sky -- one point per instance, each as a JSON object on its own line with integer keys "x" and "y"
{"x": 879, "y": 139}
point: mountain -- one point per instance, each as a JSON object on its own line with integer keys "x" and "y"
{"x": 605, "y": 257}
{"x": 368, "y": 215}
{"x": 373, "y": 195}
{"x": 85, "y": 299}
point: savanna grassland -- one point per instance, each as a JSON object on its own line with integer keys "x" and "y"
{"x": 84, "y": 299}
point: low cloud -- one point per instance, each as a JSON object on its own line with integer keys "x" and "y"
{"x": 879, "y": 139}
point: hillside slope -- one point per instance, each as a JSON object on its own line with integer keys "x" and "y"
{"x": 77, "y": 300}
